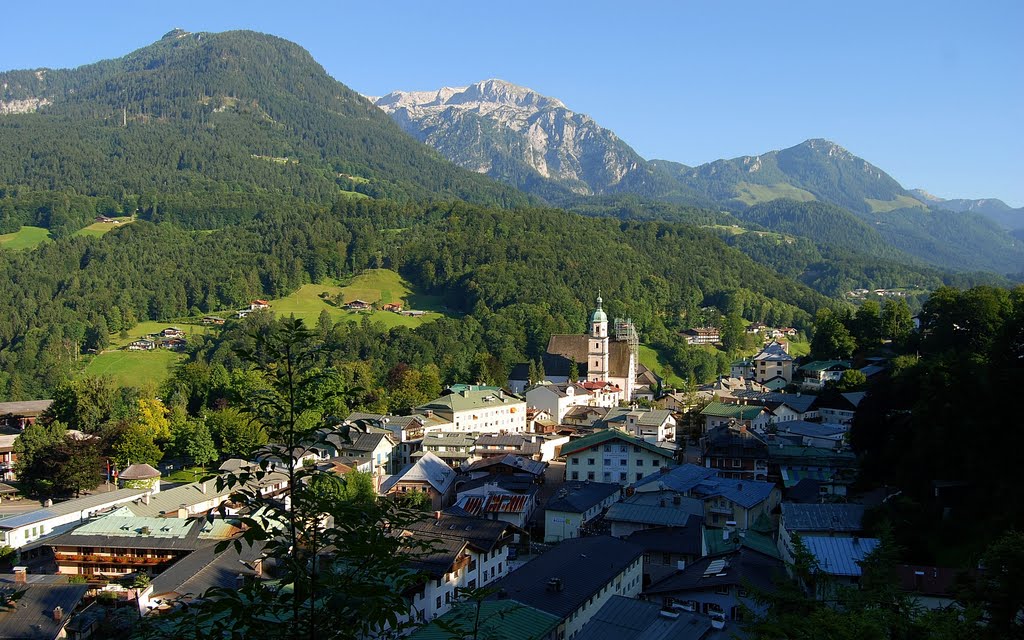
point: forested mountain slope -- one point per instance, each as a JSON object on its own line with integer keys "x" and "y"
{"x": 520, "y": 275}
{"x": 218, "y": 119}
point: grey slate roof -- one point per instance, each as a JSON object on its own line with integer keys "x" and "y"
{"x": 654, "y": 418}
{"x": 69, "y": 506}
{"x": 24, "y": 407}
{"x": 822, "y": 517}
{"x": 32, "y": 617}
{"x": 478, "y": 532}
{"x": 168, "y": 500}
{"x": 685, "y": 540}
{"x": 799, "y": 402}
{"x": 624, "y": 618}
{"x": 139, "y": 472}
{"x": 839, "y": 556}
{"x": 205, "y": 568}
{"x": 705, "y": 483}
{"x": 742, "y": 566}
{"x": 525, "y": 465}
{"x": 429, "y": 468}
{"x": 584, "y": 566}
{"x": 579, "y": 497}
{"x": 811, "y": 429}
{"x": 656, "y": 509}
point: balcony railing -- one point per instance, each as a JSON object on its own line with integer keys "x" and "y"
{"x": 101, "y": 559}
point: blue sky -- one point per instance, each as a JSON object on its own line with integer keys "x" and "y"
{"x": 931, "y": 92}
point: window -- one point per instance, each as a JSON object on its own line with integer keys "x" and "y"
{"x": 575, "y": 475}
{"x": 639, "y": 462}
{"x": 636, "y": 449}
{"x": 499, "y": 567}
{"x": 639, "y": 476}
{"x": 438, "y": 602}
{"x": 575, "y": 460}
{"x": 623, "y": 462}
{"x": 590, "y": 475}
{"x": 655, "y": 463}
{"x": 607, "y": 462}
{"x": 607, "y": 447}
{"x": 625, "y": 448}
{"x": 590, "y": 461}
{"x": 737, "y": 463}
{"x": 722, "y": 590}
{"x": 622, "y": 476}
{"x": 608, "y": 476}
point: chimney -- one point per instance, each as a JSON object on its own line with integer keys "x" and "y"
{"x": 58, "y": 614}
{"x": 680, "y": 565}
{"x": 725, "y": 534}
{"x": 20, "y": 575}
{"x": 204, "y": 487}
{"x": 437, "y": 515}
{"x": 239, "y": 581}
{"x": 145, "y": 498}
{"x": 257, "y": 566}
{"x": 183, "y": 511}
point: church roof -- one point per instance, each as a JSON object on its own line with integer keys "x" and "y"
{"x": 577, "y": 346}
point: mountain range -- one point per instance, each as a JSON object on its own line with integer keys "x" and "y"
{"x": 537, "y": 144}
{"x": 208, "y": 129}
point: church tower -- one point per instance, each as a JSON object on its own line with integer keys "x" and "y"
{"x": 597, "y": 359}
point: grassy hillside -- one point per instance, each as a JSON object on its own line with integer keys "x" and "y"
{"x": 751, "y": 194}
{"x": 372, "y": 285}
{"x": 97, "y": 229}
{"x": 650, "y": 359}
{"x": 899, "y": 202}
{"x": 24, "y": 238}
{"x": 134, "y": 368}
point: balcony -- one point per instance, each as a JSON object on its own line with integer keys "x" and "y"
{"x": 104, "y": 559}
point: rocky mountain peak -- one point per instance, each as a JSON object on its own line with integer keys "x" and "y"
{"x": 483, "y": 97}
{"x": 827, "y": 147}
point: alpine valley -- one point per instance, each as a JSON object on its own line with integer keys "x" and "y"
{"x": 462, "y": 364}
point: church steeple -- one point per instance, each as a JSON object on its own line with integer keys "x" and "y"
{"x": 599, "y": 321}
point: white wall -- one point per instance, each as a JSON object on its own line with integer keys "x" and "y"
{"x": 627, "y": 583}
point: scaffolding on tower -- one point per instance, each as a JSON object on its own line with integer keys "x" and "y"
{"x": 624, "y": 330}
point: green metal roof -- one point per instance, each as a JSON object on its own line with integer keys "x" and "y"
{"x": 119, "y": 525}
{"x": 750, "y": 539}
{"x": 738, "y": 411}
{"x": 472, "y": 399}
{"x": 822, "y": 365}
{"x": 499, "y": 620}
{"x": 600, "y": 437}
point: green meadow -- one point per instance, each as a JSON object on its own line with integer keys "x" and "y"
{"x": 25, "y": 238}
